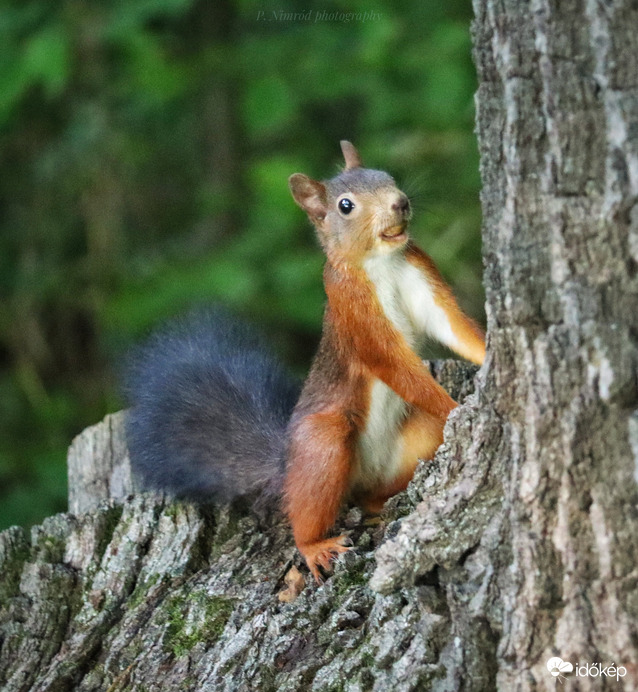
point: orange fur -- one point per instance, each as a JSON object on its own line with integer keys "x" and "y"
{"x": 371, "y": 343}
{"x": 322, "y": 553}
{"x": 359, "y": 346}
{"x": 321, "y": 447}
{"x": 471, "y": 338}
{"x": 322, "y": 451}
{"x": 421, "y": 436}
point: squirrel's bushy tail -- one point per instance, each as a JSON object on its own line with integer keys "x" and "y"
{"x": 209, "y": 409}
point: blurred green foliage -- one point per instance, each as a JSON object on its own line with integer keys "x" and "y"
{"x": 145, "y": 150}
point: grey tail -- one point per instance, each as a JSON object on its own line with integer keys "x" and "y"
{"x": 209, "y": 410}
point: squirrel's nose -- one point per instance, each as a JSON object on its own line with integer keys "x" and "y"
{"x": 402, "y": 204}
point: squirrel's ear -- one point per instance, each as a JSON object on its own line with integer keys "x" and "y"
{"x": 310, "y": 195}
{"x": 350, "y": 154}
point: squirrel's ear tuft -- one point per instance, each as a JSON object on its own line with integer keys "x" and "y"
{"x": 310, "y": 195}
{"x": 350, "y": 154}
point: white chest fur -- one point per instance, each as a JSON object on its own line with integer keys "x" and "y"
{"x": 408, "y": 302}
{"x": 407, "y": 298}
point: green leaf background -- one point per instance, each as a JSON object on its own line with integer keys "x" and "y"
{"x": 145, "y": 149}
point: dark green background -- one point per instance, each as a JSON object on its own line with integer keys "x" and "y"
{"x": 145, "y": 150}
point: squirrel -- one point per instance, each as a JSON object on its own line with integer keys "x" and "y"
{"x": 213, "y": 415}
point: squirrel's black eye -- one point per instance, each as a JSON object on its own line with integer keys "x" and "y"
{"x": 346, "y": 205}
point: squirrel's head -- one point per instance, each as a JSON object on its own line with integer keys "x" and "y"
{"x": 358, "y": 213}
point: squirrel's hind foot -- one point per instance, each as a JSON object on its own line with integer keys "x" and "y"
{"x": 323, "y": 553}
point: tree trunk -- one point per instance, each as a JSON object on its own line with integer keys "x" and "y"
{"x": 516, "y": 545}
{"x": 148, "y": 594}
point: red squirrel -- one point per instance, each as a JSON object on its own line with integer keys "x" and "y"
{"x": 370, "y": 409}
{"x": 213, "y": 416}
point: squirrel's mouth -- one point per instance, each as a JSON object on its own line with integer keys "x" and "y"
{"x": 395, "y": 234}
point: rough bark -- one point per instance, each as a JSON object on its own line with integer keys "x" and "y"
{"x": 142, "y": 593}
{"x": 544, "y": 459}
{"x": 518, "y": 543}
{"x": 540, "y": 492}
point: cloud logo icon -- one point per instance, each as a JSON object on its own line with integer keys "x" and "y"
{"x": 556, "y": 666}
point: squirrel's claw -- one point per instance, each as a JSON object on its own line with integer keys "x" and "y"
{"x": 323, "y": 553}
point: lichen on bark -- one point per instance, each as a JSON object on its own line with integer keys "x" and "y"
{"x": 139, "y": 584}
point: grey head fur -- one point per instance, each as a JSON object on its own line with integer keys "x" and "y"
{"x": 358, "y": 180}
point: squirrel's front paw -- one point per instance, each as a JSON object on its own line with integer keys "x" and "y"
{"x": 323, "y": 553}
